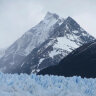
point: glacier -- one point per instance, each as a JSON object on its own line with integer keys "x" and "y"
{"x": 38, "y": 85}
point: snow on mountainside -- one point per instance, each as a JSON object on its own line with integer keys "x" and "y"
{"x": 64, "y": 39}
{"x": 80, "y": 62}
{"x": 30, "y": 40}
{"x": 35, "y": 36}
{"x": 33, "y": 85}
{"x": 44, "y": 45}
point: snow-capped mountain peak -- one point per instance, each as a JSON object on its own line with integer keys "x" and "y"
{"x": 33, "y": 38}
{"x": 44, "y": 45}
{"x": 65, "y": 37}
{"x": 51, "y": 15}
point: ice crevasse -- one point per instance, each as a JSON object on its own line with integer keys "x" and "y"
{"x": 38, "y": 85}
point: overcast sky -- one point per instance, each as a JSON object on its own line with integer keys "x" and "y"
{"x": 18, "y": 16}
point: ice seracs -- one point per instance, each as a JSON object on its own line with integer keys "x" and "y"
{"x": 33, "y": 85}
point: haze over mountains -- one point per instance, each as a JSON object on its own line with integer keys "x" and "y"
{"x": 44, "y": 45}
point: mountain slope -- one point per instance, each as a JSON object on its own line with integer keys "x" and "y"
{"x": 44, "y": 45}
{"x": 30, "y": 40}
{"x": 64, "y": 39}
{"x": 81, "y": 62}
{"x": 2, "y": 52}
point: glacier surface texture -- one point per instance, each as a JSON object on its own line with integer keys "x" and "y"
{"x": 33, "y": 85}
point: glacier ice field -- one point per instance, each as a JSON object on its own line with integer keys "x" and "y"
{"x": 38, "y": 85}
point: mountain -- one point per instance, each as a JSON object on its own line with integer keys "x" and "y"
{"x": 30, "y": 40}
{"x": 2, "y": 52}
{"x": 66, "y": 37}
{"x": 81, "y": 62}
{"x": 44, "y": 45}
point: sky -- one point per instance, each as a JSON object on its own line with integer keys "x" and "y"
{"x": 18, "y": 16}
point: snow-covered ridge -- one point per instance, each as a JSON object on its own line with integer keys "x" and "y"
{"x": 35, "y": 36}
{"x": 31, "y": 39}
{"x": 65, "y": 38}
{"x": 51, "y": 40}
{"x": 33, "y": 85}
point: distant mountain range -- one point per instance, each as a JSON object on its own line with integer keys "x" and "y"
{"x": 81, "y": 62}
{"x": 44, "y": 45}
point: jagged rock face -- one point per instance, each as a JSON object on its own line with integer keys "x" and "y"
{"x": 30, "y": 40}
{"x": 81, "y": 62}
{"x": 63, "y": 39}
{"x": 48, "y": 42}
